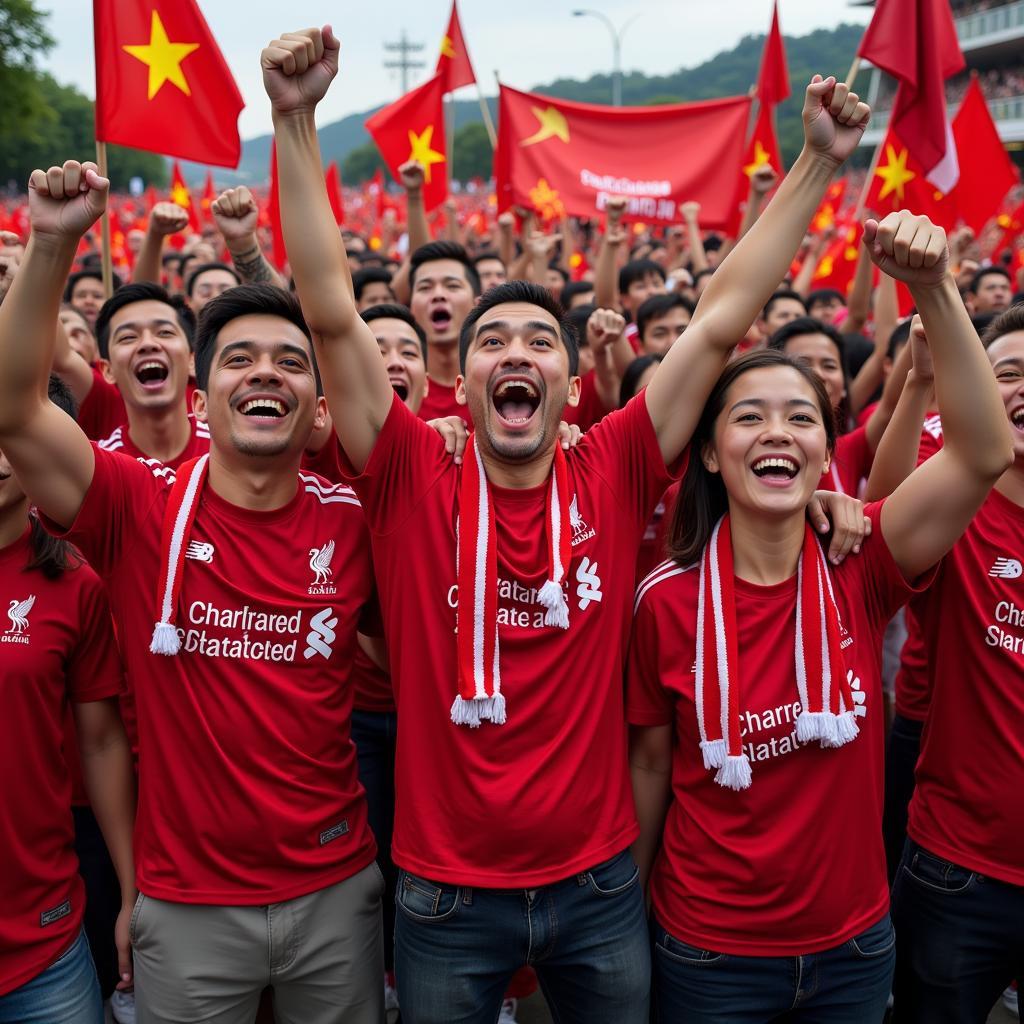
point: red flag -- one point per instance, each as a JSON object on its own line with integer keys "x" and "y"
{"x": 829, "y": 207}
{"x": 183, "y": 197}
{"x": 274, "y": 213}
{"x": 915, "y": 42}
{"x": 560, "y": 150}
{"x": 453, "y": 63}
{"x": 412, "y": 128}
{"x": 839, "y": 262}
{"x": 899, "y": 183}
{"x": 333, "y": 182}
{"x": 1012, "y": 223}
{"x": 209, "y": 195}
{"x": 762, "y": 149}
{"x": 773, "y": 78}
{"x": 986, "y": 171}
{"x": 162, "y": 83}
{"x": 376, "y": 190}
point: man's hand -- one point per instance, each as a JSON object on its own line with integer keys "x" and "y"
{"x": 507, "y": 221}
{"x": 298, "y": 69}
{"x": 569, "y": 435}
{"x": 168, "y": 219}
{"x": 541, "y": 246}
{"x": 604, "y": 328}
{"x": 834, "y": 119}
{"x": 64, "y": 202}
{"x": 412, "y": 176}
{"x": 909, "y": 248}
{"x": 455, "y": 433}
{"x": 845, "y": 516}
{"x": 690, "y": 209}
{"x": 236, "y": 214}
{"x": 614, "y": 208}
{"x": 763, "y": 180}
{"x": 920, "y": 353}
{"x": 122, "y": 942}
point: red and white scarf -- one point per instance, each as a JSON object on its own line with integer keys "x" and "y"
{"x": 826, "y": 700}
{"x": 480, "y": 698}
{"x": 178, "y": 517}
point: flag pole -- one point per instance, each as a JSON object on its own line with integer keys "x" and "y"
{"x": 851, "y": 75}
{"x": 450, "y": 138}
{"x": 107, "y": 268}
{"x": 488, "y": 122}
{"x": 867, "y": 181}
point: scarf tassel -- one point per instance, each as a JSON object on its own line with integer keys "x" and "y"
{"x": 735, "y": 773}
{"x": 714, "y": 753}
{"x": 475, "y": 710}
{"x": 165, "y": 640}
{"x": 556, "y": 611}
{"x": 847, "y": 728}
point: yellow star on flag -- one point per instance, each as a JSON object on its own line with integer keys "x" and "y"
{"x": 448, "y": 48}
{"x": 420, "y": 151}
{"x": 552, "y": 125}
{"x": 180, "y": 195}
{"x": 163, "y": 58}
{"x": 826, "y": 267}
{"x": 760, "y": 159}
{"x": 545, "y": 200}
{"x": 895, "y": 173}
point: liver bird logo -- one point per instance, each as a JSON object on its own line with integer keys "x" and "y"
{"x": 320, "y": 562}
{"x": 18, "y": 614}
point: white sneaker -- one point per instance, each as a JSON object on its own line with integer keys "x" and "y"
{"x": 122, "y": 1007}
{"x": 390, "y": 997}
{"x": 1010, "y": 999}
{"x": 508, "y": 1012}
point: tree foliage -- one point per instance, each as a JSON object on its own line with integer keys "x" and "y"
{"x": 472, "y": 155}
{"x": 361, "y": 164}
{"x": 23, "y": 37}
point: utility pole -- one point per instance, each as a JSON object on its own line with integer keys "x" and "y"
{"x": 405, "y": 63}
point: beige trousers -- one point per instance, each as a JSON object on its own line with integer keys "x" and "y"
{"x": 323, "y": 955}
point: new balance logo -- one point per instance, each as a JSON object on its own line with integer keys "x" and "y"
{"x": 589, "y": 588}
{"x": 199, "y": 552}
{"x": 859, "y": 696}
{"x": 1006, "y": 569}
{"x": 321, "y": 635}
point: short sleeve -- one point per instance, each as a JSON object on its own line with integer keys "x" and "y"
{"x": 94, "y": 667}
{"x": 648, "y": 702}
{"x": 102, "y": 411}
{"x": 122, "y": 495}
{"x": 406, "y": 462}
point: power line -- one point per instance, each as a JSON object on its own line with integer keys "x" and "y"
{"x": 404, "y": 63}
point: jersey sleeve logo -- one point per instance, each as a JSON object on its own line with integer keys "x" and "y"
{"x": 199, "y": 552}
{"x": 1006, "y": 569}
{"x": 18, "y": 614}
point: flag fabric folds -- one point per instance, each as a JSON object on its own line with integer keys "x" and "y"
{"x": 332, "y": 180}
{"x": 181, "y": 196}
{"x": 162, "y": 83}
{"x": 660, "y": 157}
{"x": 773, "y": 78}
{"x": 453, "y": 63}
{"x": 412, "y": 128}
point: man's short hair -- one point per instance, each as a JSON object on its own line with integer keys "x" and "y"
{"x": 631, "y": 377}
{"x": 782, "y": 293}
{"x": 1007, "y": 322}
{"x": 637, "y": 270}
{"x": 706, "y": 272}
{"x": 246, "y": 300}
{"x": 84, "y": 275}
{"x": 202, "y": 269}
{"x": 987, "y": 272}
{"x": 899, "y": 337}
{"x": 369, "y": 275}
{"x": 578, "y": 318}
{"x": 823, "y": 295}
{"x": 713, "y": 243}
{"x": 574, "y": 288}
{"x": 393, "y": 311}
{"x": 554, "y": 265}
{"x": 658, "y": 306}
{"x": 525, "y": 292}
{"x": 443, "y": 251}
{"x": 807, "y": 325}
{"x": 141, "y": 291}
{"x": 489, "y": 254}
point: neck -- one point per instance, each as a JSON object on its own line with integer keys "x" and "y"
{"x": 160, "y": 433}
{"x": 13, "y": 521}
{"x": 766, "y": 551}
{"x": 518, "y": 475}
{"x": 254, "y": 483}
{"x": 1011, "y": 484}
{"x": 443, "y": 362}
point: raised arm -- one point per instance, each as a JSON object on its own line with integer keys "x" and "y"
{"x": 164, "y": 219}
{"x": 51, "y": 456}
{"x": 930, "y": 510}
{"x": 834, "y": 121}
{"x": 606, "y": 270}
{"x": 236, "y": 215}
{"x": 297, "y": 70}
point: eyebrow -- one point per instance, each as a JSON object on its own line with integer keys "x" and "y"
{"x": 506, "y": 328}
{"x": 246, "y": 345}
{"x": 760, "y": 403}
{"x": 1008, "y": 360}
{"x": 134, "y": 325}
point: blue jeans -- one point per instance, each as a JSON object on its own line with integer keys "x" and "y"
{"x": 456, "y": 948}
{"x": 102, "y": 896}
{"x": 67, "y": 992}
{"x": 374, "y": 734}
{"x": 845, "y": 985}
{"x": 961, "y": 940}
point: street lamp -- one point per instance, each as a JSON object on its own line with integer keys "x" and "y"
{"x": 616, "y": 48}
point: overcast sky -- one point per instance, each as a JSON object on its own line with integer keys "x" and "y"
{"x": 527, "y": 41}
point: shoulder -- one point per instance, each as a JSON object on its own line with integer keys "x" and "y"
{"x": 114, "y": 441}
{"x": 667, "y": 585}
{"x": 200, "y": 428}
{"x": 323, "y": 492}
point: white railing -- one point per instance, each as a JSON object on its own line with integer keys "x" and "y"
{"x": 998, "y": 20}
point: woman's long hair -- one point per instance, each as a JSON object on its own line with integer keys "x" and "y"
{"x": 702, "y": 497}
{"x": 51, "y": 555}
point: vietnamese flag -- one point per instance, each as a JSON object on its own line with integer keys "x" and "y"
{"x": 280, "y": 254}
{"x": 582, "y": 154}
{"x": 181, "y": 196}
{"x": 162, "y": 83}
{"x": 1012, "y": 223}
{"x": 837, "y": 265}
{"x": 828, "y": 208}
{"x": 773, "y": 77}
{"x": 209, "y": 195}
{"x": 986, "y": 171}
{"x": 412, "y": 128}
{"x": 453, "y": 63}
{"x": 332, "y": 180}
{"x": 762, "y": 149}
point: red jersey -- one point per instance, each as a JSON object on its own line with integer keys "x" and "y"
{"x": 851, "y": 463}
{"x": 120, "y": 440}
{"x": 794, "y": 864}
{"x": 247, "y": 775}
{"x": 440, "y": 403}
{"x": 591, "y": 409}
{"x": 103, "y": 411}
{"x": 58, "y": 646}
{"x": 547, "y": 794}
{"x": 652, "y": 548}
{"x": 970, "y": 775}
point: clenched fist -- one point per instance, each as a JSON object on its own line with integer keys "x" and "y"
{"x": 298, "y": 69}
{"x": 834, "y": 119}
{"x": 909, "y": 248}
{"x": 604, "y": 328}
{"x": 235, "y": 213}
{"x": 168, "y": 219}
{"x": 64, "y": 202}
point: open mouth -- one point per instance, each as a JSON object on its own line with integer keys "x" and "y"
{"x": 775, "y": 469}
{"x": 1017, "y": 418}
{"x": 516, "y": 401}
{"x": 440, "y": 319}
{"x": 263, "y": 408}
{"x": 151, "y": 374}
{"x": 401, "y": 388}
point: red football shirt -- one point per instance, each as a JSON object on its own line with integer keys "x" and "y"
{"x": 851, "y": 463}
{"x": 58, "y": 646}
{"x": 103, "y": 411}
{"x": 591, "y": 409}
{"x": 547, "y": 794}
{"x": 794, "y": 864}
{"x": 966, "y": 805}
{"x": 247, "y": 775}
{"x": 440, "y": 403}
{"x": 120, "y": 440}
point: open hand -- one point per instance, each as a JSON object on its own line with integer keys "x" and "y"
{"x": 298, "y": 69}
{"x": 834, "y": 119}
{"x": 845, "y": 516}
{"x": 64, "y": 202}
